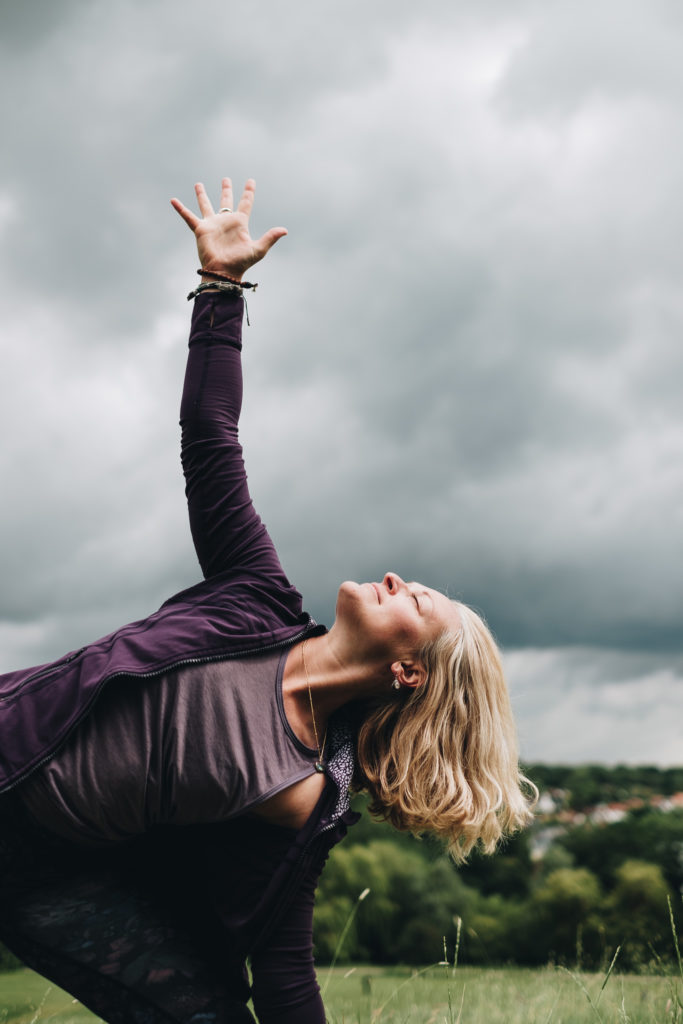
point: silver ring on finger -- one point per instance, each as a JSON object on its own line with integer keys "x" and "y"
{"x": 225, "y": 209}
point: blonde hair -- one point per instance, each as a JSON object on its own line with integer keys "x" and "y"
{"x": 443, "y": 757}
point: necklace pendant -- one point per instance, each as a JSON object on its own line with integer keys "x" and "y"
{"x": 319, "y": 766}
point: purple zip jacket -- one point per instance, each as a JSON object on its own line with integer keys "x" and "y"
{"x": 245, "y": 603}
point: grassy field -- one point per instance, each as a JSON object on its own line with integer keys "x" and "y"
{"x": 439, "y": 995}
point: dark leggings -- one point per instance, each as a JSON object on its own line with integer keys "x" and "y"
{"x": 102, "y": 927}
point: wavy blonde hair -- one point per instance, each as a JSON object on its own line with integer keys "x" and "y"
{"x": 443, "y": 757}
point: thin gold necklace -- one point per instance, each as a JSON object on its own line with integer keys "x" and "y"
{"x": 319, "y": 764}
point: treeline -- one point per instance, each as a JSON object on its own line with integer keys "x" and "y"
{"x": 589, "y": 784}
{"x": 571, "y": 899}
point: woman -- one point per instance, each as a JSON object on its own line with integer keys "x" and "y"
{"x": 173, "y": 789}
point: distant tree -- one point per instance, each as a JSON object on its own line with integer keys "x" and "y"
{"x": 672, "y": 781}
{"x": 651, "y": 836}
{"x": 564, "y": 914}
{"x": 331, "y": 916}
{"x": 440, "y": 900}
{"x": 508, "y": 872}
{"x": 547, "y": 776}
{"x": 350, "y": 870}
{"x": 638, "y": 916}
{"x": 413, "y": 904}
{"x": 587, "y": 785}
{"x": 555, "y": 857}
{"x": 496, "y": 933}
{"x": 592, "y": 784}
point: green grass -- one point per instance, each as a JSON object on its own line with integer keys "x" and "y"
{"x": 510, "y": 995}
{"x": 26, "y": 998}
{"x": 470, "y": 995}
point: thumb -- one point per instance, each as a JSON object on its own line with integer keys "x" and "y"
{"x": 268, "y": 240}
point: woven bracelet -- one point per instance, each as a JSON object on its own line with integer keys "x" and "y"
{"x": 224, "y": 277}
{"x": 232, "y": 288}
{"x": 215, "y": 286}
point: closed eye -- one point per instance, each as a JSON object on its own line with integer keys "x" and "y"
{"x": 416, "y": 601}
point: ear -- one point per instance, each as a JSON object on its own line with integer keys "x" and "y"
{"x": 409, "y": 673}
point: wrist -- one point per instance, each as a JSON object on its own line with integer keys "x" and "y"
{"x": 214, "y": 271}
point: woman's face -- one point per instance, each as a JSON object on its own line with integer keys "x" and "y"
{"x": 393, "y": 616}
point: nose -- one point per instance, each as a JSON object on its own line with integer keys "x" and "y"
{"x": 393, "y": 582}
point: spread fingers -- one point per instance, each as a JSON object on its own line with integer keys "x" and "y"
{"x": 247, "y": 200}
{"x": 188, "y": 216}
{"x": 203, "y": 200}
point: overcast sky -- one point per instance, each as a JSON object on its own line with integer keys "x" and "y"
{"x": 465, "y": 361}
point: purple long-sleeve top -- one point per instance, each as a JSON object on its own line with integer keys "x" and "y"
{"x": 245, "y": 604}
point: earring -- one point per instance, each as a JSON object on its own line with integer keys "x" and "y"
{"x": 396, "y": 685}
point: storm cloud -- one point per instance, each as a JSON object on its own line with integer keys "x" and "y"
{"x": 464, "y": 362}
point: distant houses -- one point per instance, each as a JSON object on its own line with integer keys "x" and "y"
{"x": 553, "y": 817}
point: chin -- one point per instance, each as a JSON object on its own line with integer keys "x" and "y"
{"x": 349, "y": 585}
{"x": 347, "y": 589}
{"x": 350, "y": 598}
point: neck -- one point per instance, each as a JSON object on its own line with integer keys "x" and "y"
{"x": 333, "y": 680}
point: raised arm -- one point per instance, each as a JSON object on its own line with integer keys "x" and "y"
{"x": 227, "y": 532}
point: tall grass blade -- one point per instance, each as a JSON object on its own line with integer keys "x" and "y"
{"x": 36, "y": 1015}
{"x": 457, "y": 943}
{"x": 451, "y": 1018}
{"x": 579, "y": 947}
{"x": 445, "y": 963}
{"x": 673, "y": 932}
{"x": 621, "y": 1010}
{"x": 671, "y": 982}
{"x": 462, "y": 1003}
{"x": 611, "y": 968}
{"x": 345, "y": 932}
{"x": 585, "y": 991}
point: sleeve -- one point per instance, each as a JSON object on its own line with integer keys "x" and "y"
{"x": 285, "y": 989}
{"x": 227, "y": 532}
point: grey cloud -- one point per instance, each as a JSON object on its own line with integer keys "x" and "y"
{"x": 465, "y": 354}
{"x": 612, "y": 51}
{"x": 581, "y": 705}
{"x": 25, "y": 26}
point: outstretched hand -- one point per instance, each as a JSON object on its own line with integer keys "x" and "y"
{"x": 223, "y": 240}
